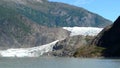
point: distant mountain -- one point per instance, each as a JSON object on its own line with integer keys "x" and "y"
{"x": 53, "y": 14}
{"x": 109, "y": 38}
{"x": 29, "y": 23}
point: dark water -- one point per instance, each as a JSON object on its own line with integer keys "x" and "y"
{"x": 58, "y": 63}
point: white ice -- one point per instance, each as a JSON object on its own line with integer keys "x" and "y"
{"x": 28, "y": 52}
{"x": 91, "y": 31}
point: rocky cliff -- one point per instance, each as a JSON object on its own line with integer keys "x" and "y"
{"x": 69, "y": 46}
{"x": 109, "y": 38}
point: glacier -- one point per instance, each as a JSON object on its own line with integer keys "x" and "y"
{"x": 45, "y": 49}
{"x": 90, "y": 31}
{"x": 28, "y": 52}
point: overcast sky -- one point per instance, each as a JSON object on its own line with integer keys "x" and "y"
{"x": 109, "y": 9}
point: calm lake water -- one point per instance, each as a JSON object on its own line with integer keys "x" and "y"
{"x": 58, "y": 63}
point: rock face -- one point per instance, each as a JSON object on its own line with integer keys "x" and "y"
{"x": 68, "y": 46}
{"x": 109, "y": 38}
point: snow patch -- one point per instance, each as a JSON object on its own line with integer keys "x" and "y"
{"x": 91, "y": 31}
{"x": 28, "y": 52}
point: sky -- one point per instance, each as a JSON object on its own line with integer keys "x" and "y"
{"x": 109, "y": 9}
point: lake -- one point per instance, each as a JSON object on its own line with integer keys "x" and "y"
{"x": 54, "y": 62}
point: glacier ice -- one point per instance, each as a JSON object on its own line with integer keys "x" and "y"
{"x": 40, "y": 50}
{"x": 28, "y": 52}
{"x": 91, "y": 31}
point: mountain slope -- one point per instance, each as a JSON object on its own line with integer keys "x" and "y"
{"x": 69, "y": 46}
{"x": 54, "y": 14}
{"x": 19, "y": 31}
{"x": 109, "y": 39}
{"x": 105, "y": 44}
{"x": 23, "y": 23}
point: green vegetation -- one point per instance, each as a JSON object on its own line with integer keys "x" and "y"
{"x": 60, "y": 15}
{"x": 89, "y": 51}
{"x": 12, "y": 24}
{"x": 18, "y": 19}
{"x": 51, "y": 14}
